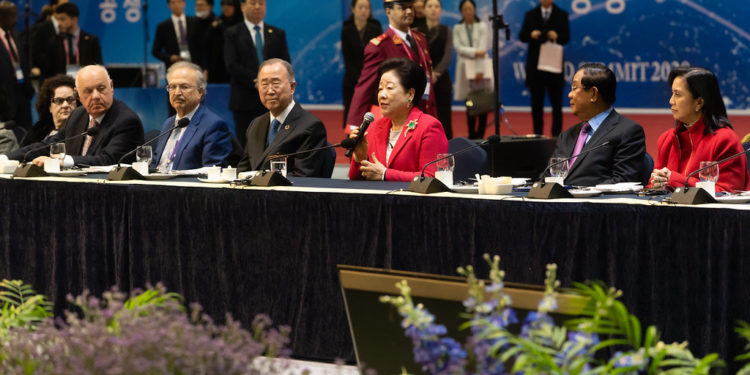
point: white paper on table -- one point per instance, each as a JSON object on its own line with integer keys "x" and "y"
{"x": 550, "y": 58}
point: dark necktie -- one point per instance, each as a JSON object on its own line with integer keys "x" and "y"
{"x": 258, "y": 44}
{"x": 274, "y": 129}
{"x": 183, "y": 39}
{"x": 71, "y": 53}
{"x": 13, "y": 53}
{"x": 413, "y": 45}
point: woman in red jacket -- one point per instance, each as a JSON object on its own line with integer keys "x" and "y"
{"x": 702, "y": 132}
{"x": 397, "y": 146}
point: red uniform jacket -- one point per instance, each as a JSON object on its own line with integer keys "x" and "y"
{"x": 682, "y": 151}
{"x": 381, "y": 48}
{"x": 416, "y": 146}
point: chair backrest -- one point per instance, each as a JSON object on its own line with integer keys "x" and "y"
{"x": 468, "y": 163}
{"x": 648, "y": 167}
{"x": 746, "y": 146}
{"x": 330, "y": 162}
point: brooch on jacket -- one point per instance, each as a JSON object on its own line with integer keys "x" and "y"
{"x": 410, "y": 126}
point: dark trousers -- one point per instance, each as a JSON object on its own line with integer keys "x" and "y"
{"x": 347, "y": 92}
{"x": 443, "y": 102}
{"x": 476, "y": 130}
{"x": 554, "y": 91}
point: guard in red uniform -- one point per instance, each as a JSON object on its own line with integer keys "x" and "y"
{"x": 398, "y": 41}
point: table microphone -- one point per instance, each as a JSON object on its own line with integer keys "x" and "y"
{"x": 543, "y": 190}
{"x": 30, "y": 170}
{"x": 368, "y": 118}
{"x": 429, "y": 185}
{"x": 696, "y": 195}
{"x": 268, "y": 178}
{"x": 120, "y": 173}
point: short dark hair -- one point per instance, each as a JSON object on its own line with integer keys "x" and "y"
{"x": 390, "y": 4}
{"x": 47, "y": 92}
{"x": 601, "y": 77}
{"x": 411, "y": 75}
{"x": 68, "y": 8}
{"x": 702, "y": 83}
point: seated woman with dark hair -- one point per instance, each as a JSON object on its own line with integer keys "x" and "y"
{"x": 397, "y": 146}
{"x": 702, "y": 132}
{"x": 55, "y": 101}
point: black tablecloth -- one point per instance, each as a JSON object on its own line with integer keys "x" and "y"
{"x": 247, "y": 251}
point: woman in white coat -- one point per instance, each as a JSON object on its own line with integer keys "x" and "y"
{"x": 473, "y": 73}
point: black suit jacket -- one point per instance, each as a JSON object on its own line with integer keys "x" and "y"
{"x": 166, "y": 44}
{"x": 15, "y": 97}
{"x": 89, "y": 53}
{"x": 353, "y": 49}
{"x": 121, "y": 132}
{"x": 300, "y": 131}
{"x": 619, "y": 161}
{"x": 242, "y": 63}
{"x": 41, "y": 34}
{"x": 558, "y": 21}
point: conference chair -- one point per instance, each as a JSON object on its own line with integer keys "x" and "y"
{"x": 746, "y": 146}
{"x": 468, "y": 163}
{"x": 648, "y": 167}
{"x": 330, "y": 162}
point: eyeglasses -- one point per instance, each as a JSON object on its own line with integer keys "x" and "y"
{"x": 59, "y": 101}
{"x": 183, "y": 87}
{"x": 274, "y": 84}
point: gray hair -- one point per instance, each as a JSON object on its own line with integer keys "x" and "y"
{"x": 189, "y": 65}
{"x": 287, "y": 65}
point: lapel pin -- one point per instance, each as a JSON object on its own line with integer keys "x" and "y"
{"x": 286, "y": 127}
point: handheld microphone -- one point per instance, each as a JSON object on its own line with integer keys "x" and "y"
{"x": 119, "y": 173}
{"x": 180, "y": 124}
{"x": 368, "y": 118}
{"x": 30, "y": 170}
{"x": 429, "y": 185}
{"x": 264, "y": 178}
{"x": 542, "y": 190}
{"x": 687, "y": 195}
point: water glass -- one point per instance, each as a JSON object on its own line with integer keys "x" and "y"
{"x": 57, "y": 151}
{"x": 558, "y": 167}
{"x": 144, "y": 154}
{"x": 445, "y": 168}
{"x": 279, "y": 165}
{"x": 710, "y": 174}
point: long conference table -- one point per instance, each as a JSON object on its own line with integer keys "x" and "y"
{"x": 247, "y": 250}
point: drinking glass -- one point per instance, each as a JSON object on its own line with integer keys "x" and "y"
{"x": 445, "y": 168}
{"x": 710, "y": 174}
{"x": 57, "y": 151}
{"x": 279, "y": 165}
{"x": 558, "y": 167}
{"x": 144, "y": 154}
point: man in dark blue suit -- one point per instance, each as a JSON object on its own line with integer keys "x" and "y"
{"x": 246, "y": 46}
{"x": 206, "y": 140}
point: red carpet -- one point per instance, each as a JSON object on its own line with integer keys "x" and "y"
{"x": 653, "y": 124}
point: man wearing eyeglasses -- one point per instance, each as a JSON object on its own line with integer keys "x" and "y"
{"x": 120, "y": 129}
{"x": 398, "y": 41}
{"x": 286, "y": 128}
{"x": 206, "y": 140}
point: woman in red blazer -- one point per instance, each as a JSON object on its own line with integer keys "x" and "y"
{"x": 397, "y": 146}
{"x": 702, "y": 132}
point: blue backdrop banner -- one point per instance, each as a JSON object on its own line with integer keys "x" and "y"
{"x": 640, "y": 40}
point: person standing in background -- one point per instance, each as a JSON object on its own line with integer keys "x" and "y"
{"x": 176, "y": 38}
{"x": 231, "y": 14}
{"x": 73, "y": 48}
{"x": 246, "y": 46}
{"x": 355, "y": 34}
{"x": 545, "y": 23}
{"x": 15, "y": 87}
{"x": 470, "y": 41}
{"x": 205, "y": 17}
{"x": 419, "y": 15}
{"x": 440, "y": 45}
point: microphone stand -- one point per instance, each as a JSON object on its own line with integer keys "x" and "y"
{"x": 269, "y": 178}
{"x": 497, "y": 24}
{"x": 697, "y": 195}
{"x": 544, "y": 190}
{"x": 146, "y": 39}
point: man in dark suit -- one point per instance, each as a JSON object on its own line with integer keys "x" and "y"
{"x": 545, "y": 23}
{"x": 206, "y": 141}
{"x": 40, "y": 35}
{"x": 120, "y": 128}
{"x": 15, "y": 86}
{"x": 243, "y": 54}
{"x": 397, "y": 41}
{"x": 286, "y": 128}
{"x": 591, "y": 96}
{"x": 73, "y": 46}
{"x": 176, "y": 39}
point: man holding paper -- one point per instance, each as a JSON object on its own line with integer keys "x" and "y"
{"x": 546, "y": 29}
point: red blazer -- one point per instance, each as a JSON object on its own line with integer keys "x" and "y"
{"x": 413, "y": 149}
{"x": 733, "y": 175}
{"x": 381, "y": 48}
